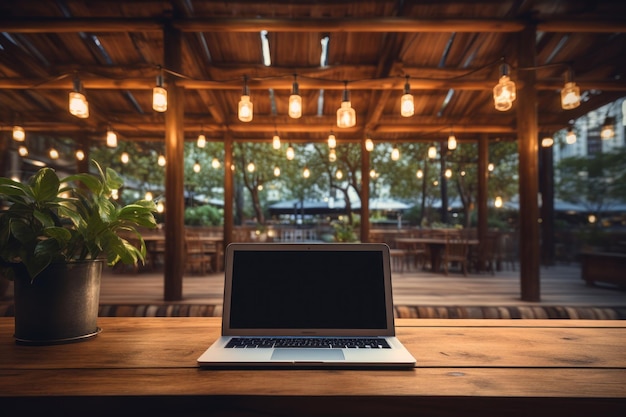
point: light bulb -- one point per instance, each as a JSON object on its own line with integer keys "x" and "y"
{"x": 432, "y": 152}
{"x": 290, "y": 153}
{"x": 215, "y": 163}
{"x": 369, "y": 145}
{"x": 451, "y": 142}
{"x": 608, "y": 131}
{"x": 201, "y": 142}
{"x": 245, "y": 109}
{"x": 111, "y": 138}
{"x": 504, "y": 93}
{"x": 18, "y": 134}
{"x": 54, "y": 154}
{"x": 306, "y": 173}
{"x": 339, "y": 174}
{"x": 23, "y": 151}
{"x": 277, "y": 171}
{"x": 346, "y": 116}
{"x": 570, "y": 96}
{"x": 276, "y": 142}
{"x": 332, "y": 141}
{"x": 498, "y": 202}
{"x": 148, "y": 196}
{"x": 332, "y": 155}
{"x": 78, "y": 105}
{"x": 251, "y": 167}
{"x": 547, "y": 142}
{"x": 197, "y": 167}
{"x": 448, "y": 173}
{"x": 80, "y": 154}
{"x": 124, "y": 157}
{"x": 161, "y": 160}
{"x": 570, "y": 137}
{"x": 419, "y": 173}
{"x": 395, "y": 153}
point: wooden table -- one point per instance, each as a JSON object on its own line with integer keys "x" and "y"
{"x": 464, "y": 368}
{"x": 435, "y": 246}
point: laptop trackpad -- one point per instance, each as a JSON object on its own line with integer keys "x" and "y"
{"x": 307, "y": 355}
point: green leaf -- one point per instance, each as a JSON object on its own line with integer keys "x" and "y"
{"x": 45, "y": 185}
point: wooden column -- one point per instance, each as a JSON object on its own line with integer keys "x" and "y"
{"x": 228, "y": 189}
{"x": 528, "y": 167}
{"x": 174, "y": 171}
{"x": 483, "y": 175}
{"x": 365, "y": 192}
{"x": 546, "y": 187}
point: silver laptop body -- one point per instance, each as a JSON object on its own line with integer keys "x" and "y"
{"x": 307, "y": 305}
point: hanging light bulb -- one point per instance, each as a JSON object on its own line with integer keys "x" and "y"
{"x": 346, "y": 116}
{"x": 160, "y": 207}
{"x": 161, "y": 160}
{"x": 251, "y": 167}
{"x": 448, "y": 173}
{"x": 159, "y": 94}
{"x": 339, "y": 174}
{"x": 395, "y": 153}
{"x": 245, "y": 105}
{"x": 490, "y": 167}
{"x": 196, "y": 167}
{"x": 498, "y": 202}
{"x": 332, "y": 155}
{"x": 570, "y": 94}
{"x": 608, "y": 130}
{"x": 111, "y": 138}
{"x": 432, "y": 152}
{"x": 78, "y": 104}
{"x": 276, "y": 141}
{"x": 80, "y": 154}
{"x": 53, "y": 153}
{"x": 201, "y": 142}
{"x": 18, "y": 134}
{"x": 22, "y": 150}
{"x": 504, "y": 92}
{"x": 295, "y": 100}
{"x": 570, "y": 137}
{"x": 332, "y": 141}
{"x": 290, "y": 153}
{"x": 148, "y": 196}
{"x": 373, "y": 173}
{"x": 407, "y": 107}
{"x": 419, "y": 174}
{"x": 547, "y": 142}
{"x": 277, "y": 171}
{"x": 369, "y": 145}
{"x": 451, "y": 142}
{"x": 306, "y": 172}
{"x": 215, "y": 163}
{"x": 124, "y": 157}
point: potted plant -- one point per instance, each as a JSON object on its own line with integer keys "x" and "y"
{"x": 55, "y": 236}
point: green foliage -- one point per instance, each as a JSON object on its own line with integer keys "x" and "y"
{"x": 344, "y": 232}
{"x": 203, "y": 216}
{"x": 60, "y": 220}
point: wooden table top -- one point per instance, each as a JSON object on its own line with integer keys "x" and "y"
{"x": 546, "y": 361}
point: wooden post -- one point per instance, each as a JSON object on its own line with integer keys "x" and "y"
{"x": 528, "y": 167}
{"x": 483, "y": 175}
{"x": 546, "y": 187}
{"x": 365, "y": 192}
{"x": 174, "y": 267}
{"x": 228, "y": 189}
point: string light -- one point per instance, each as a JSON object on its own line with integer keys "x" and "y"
{"x": 419, "y": 174}
{"x": 276, "y": 171}
{"x": 451, "y": 142}
{"x": 295, "y": 100}
{"x": 448, "y": 173}
{"x": 197, "y": 167}
{"x": 276, "y": 141}
{"x": 432, "y": 152}
{"x": 547, "y": 142}
{"x": 570, "y": 137}
{"x": 608, "y": 131}
{"x": 339, "y": 174}
{"x": 570, "y": 94}
{"x": 346, "y": 116}
{"x": 306, "y": 172}
{"x": 80, "y": 154}
{"x": 251, "y": 167}
{"x": 245, "y": 105}
{"x": 161, "y": 160}
{"x": 148, "y": 196}
{"x": 332, "y": 141}
{"x": 111, "y": 138}
{"x": 125, "y": 157}
{"x": 53, "y": 153}
{"x": 407, "y": 106}
{"x": 159, "y": 94}
{"x": 78, "y": 105}
{"x": 23, "y": 151}
{"x": 290, "y": 153}
{"x": 498, "y": 202}
{"x": 201, "y": 142}
{"x": 369, "y": 145}
{"x": 215, "y": 163}
{"x": 332, "y": 155}
{"x": 395, "y": 153}
{"x": 504, "y": 92}
{"x": 19, "y": 135}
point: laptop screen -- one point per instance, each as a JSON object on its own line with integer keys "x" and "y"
{"x": 308, "y": 289}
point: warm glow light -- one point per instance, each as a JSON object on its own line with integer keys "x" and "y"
{"x": 78, "y": 105}
{"x": 432, "y": 152}
{"x": 54, "y": 154}
{"x": 306, "y": 173}
{"x": 276, "y": 141}
{"x": 290, "y": 153}
{"x": 245, "y": 109}
{"x": 161, "y": 160}
{"x": 160, "y": 207}
{"x": 419, "y": 173}
{"x": 332, "y": 141}
{"x": 159, "y": 99}
{"x": 277, "y": 171}
{"x": 339, "y": 174}
{"x": 201, "y": 142}
{"x": 570, "y": 96}
{"x": 547, "y": 142}
{"x": 448, "y": 173}
{"x": 373, "y": 173}
{"x": 196, "y": 167}
{"x": 592, "y": 218}
{"x": 451, "y": 142}
{"x": 332, "y": 155}
{"x": 407, "y": 106}
{"x": 148, "y": 196}
{"x": 395, "y": 153}
{"x": 295, "y": 101}
{"x": 251, "y": 167}
{"x": 124, "y": 157}
{"x": 346, "y": 116}
{"x": 369, "y": 145}
{"x": 18, "y": 134}
{"x": 80, "y": 155}
{"x": 23, "y": 151}
{"x": 570, "y": 137}
{"x": 490, "y": 167}
{"x": 215, "y": 163}
{"x": 504, "y": 92}
{"x": 608, "y": 131}
{"x": 115, "y": 194}
{"x": 498, "y": 202}
{"x": 111, "y": 138}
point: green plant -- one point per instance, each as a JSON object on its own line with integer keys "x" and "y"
{"x": 54, "y": 220}
{"x": 203, "y": 216}
{"x": 344, "y": 232}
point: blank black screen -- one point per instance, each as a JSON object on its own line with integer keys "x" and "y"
{"x": 308, "y": 289}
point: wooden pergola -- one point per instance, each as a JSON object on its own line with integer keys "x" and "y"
{"x": 450, "y": 51}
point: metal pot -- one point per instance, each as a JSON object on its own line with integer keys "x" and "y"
{"x": 60, "y": 305}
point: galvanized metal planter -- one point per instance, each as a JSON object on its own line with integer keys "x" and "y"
{"x": 60, "y": 305}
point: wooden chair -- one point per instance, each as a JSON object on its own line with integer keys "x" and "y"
{"x": 197, "y": 260}
{"x": 456, "y": 252}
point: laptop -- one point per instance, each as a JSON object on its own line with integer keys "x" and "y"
{"x": 307, "y": 305}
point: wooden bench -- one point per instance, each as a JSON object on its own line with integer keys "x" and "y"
{"x": 605, "y": 267}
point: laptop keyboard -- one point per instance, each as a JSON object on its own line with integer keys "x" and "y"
{"x": 308, "y": 342}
